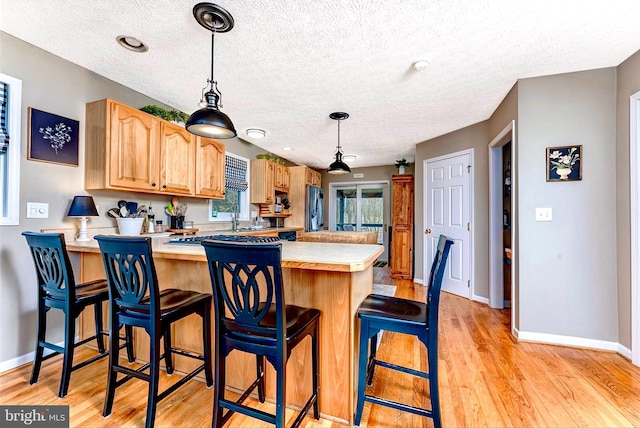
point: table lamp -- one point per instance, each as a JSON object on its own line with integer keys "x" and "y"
{"x": 83, "y": 207}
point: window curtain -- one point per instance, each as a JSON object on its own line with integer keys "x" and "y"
{"x": 236, "y": 174}
{"x": 4, "y": 105}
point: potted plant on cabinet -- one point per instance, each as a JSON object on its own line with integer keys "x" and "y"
{"x": 401, "y": 165}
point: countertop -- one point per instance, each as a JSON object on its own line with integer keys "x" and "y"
{"x": 295, "y": 254}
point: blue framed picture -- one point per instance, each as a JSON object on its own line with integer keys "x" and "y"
{"x": 564, "y": 163}
{"x": 52, "y": 138}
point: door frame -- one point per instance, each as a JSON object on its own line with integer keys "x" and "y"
{"x": 634, "y": 150}
{"x": 496, "y": 222}
{"x": 331, "y": 225}
{"x": 426, "y": 264}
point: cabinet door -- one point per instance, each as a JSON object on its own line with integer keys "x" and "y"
{"x": 286, "y": 179}
{"x": 262, "y": 181}
{"x": 402, "y": 201}
{"x": 210, "y": 163}
{"x": 401, "y": 253}
{"x": 279, "y": 176}
{"x": 177, "y": 151}
{"x": 308, "y": 176}
{"x": 134, "y": 154}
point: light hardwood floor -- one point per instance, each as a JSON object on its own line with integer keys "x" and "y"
{"x": 486, "y": 379}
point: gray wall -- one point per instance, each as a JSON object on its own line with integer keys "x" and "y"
{"x": 472, "y": 137}
{"x": 568, "y": 266}
{"x": 628, "y": 84}
{"x": 57, "y": 86}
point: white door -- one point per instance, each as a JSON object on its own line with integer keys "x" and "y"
{"x": 448, "y": 212}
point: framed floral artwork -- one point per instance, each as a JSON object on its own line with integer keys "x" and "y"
{"x": 52, "y": 138}
{"x": 564, "y": 163}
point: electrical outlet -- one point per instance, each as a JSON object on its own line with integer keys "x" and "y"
{"x": 37, "y": 210}
{"x": 543, "y": 214}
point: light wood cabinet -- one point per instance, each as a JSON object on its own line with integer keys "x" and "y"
{"x": 313, "y": 177}
{"x": 402, "y": 227}
{"x": 262, "y": 181}
{"x": 128, "y": 149}
{"x": 300, "y": 177}
{"x": 281, "y": 183}
{"x": 210, "y": 164}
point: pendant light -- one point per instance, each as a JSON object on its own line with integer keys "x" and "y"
{"x": 338, "y": 167}
{"x": 209, "y": 121}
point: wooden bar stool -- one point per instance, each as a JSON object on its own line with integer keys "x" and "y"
{"x": 409, "y": 317}
{"x": 135, "y": 300}
{"x": 251, "y": 315}
{"x": 57, "y": 289}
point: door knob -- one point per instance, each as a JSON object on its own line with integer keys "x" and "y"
{"x": 427, "y": 231}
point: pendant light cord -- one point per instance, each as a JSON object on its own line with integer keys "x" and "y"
{"x": 213, "y": 46}
{"x": 339, "y": 120}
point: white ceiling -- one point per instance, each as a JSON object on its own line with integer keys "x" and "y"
{"x": 286, "y": 65}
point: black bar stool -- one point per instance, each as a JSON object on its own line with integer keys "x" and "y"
{"x": 135, "y": 300}
{"x": 57, "y": 289}
{"x": 251, "y": 315}
{"x": 409, "y": 317}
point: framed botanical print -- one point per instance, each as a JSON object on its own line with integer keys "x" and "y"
{"x": 52, "y": 138}
{"x": 564, "y": 163}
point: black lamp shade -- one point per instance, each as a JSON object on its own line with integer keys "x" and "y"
{"x": 338, "y": 167}
{"x": 209, "y": 122}
{"x": 83, "y": 206}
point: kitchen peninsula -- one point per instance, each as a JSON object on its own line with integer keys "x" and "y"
{"x": 333, "y": 278}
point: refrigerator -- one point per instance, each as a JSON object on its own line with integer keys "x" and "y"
{"x": 314, "y": 215}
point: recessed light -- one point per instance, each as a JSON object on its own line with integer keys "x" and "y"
{"x": 349, "y": 158}
{"x": 287, "y": 149}
{"x": 420, "y": 65}
{"x": 256, "y": 133}
{"x": 132, "y": 44}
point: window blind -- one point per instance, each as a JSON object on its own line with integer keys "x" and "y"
{"x": 236, "y": 174}
{"x": 4, "y": 105}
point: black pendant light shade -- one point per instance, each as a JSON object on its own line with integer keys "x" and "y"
{"x": 209, "y": 121}
{"x": 338, "y": 167}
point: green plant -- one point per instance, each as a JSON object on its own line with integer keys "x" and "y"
{"x": 401, "y": 162}
{"x": 271, "y": 157}
{"x": 170, "y": 115}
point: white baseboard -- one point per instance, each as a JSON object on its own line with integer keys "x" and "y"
{"x": 578, "y": 342}
{"x": 24, "y": 359}
{"x": 418, "y": 281}
{"x": 625, "y": 352}
{"x": 480, "y": 299}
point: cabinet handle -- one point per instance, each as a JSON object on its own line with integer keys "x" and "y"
{"x": 164, "y": 186}
{"x": 153, "y": 184}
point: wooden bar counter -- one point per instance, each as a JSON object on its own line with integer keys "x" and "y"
{"x": 333, "y": 278}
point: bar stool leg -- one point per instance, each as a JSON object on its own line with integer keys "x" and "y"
{"x": 168, "y": 356}
{"x": 372, "y": 355}
{"x": 42, "y": 328}
{"x": 219, "y": 380}
{"x": 432, "y": 356}
{"x": 154, "y": 377}
{"x": 97, "y": 317}
{"x": 362, "y": 369}
{"x": 114, "y": 357}
{"x": 128, "y": 331}
{"x": 69, "y": 342}
{"x": 281, "y": 393}
{"x": 206, "y": 343}
{"x": 315, "y": 358}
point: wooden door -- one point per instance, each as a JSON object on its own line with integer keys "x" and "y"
{"x": 134, "y": 149}
{"x": 210, "y": 164}
{"x": 177, "y": 151}
{"x": 402, "y": 227}
{"x": 448, "y": 212}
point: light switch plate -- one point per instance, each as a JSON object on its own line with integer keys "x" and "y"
{"x": 543, "y": 214}
{"x": 37, "y": 210}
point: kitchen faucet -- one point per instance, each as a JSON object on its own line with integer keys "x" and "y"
{"x": 234, "y": 217}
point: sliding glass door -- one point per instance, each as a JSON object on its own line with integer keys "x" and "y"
{"x": 361, "y": 207}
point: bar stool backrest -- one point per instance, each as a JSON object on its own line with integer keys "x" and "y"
{"x": 435, "y": 281}
{"x": 131, "y": 274}
{"x": 53, "y": 268}
{"x": 247, "y": 279}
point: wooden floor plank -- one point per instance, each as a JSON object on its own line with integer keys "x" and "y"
{"x": 487, "y": 378}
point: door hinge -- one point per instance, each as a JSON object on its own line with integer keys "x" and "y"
{"x": 468, "y": 283}
{"x": 469, "y": 227}
{"x": 469, "y": 169}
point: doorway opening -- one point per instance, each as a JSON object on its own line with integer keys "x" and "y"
{"x": 361, "y": 207}
{"x": 503, "y": 221}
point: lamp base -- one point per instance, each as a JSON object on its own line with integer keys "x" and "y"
{"x": 82, "y": 235}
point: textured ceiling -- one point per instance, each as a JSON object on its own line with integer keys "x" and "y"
{"x": 287, "y": 65}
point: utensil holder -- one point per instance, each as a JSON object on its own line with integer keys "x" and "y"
{"x": 130, "y": 226}
{"x": 176, "y": 221}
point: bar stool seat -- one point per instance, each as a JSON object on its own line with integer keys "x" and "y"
{"x": 57, "y": 289}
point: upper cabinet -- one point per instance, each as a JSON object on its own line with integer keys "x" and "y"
{"x": 313, "y": 177}
{"x": 281, "y": 183}
{"x": 263, "y": 174}
{"x": 210, "y": 174}
{"x": 128, "y": 149}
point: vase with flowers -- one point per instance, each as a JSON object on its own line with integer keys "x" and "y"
{"x": 401, "y": 165}
{"x": 562, "y": 161}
